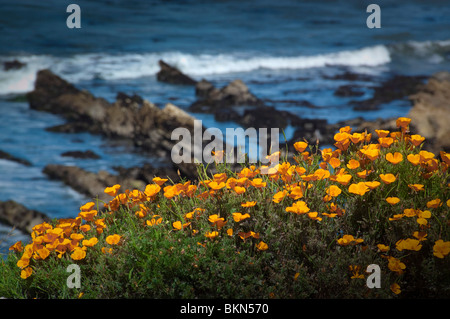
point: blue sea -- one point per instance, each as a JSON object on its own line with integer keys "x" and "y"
{"x": 285, "y": 51}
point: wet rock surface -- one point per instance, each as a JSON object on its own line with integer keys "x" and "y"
{"x": 81, "y": 154}
{"x": 19, "y": 216}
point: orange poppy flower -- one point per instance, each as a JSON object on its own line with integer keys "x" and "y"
{"x": 240, "y": 217}
{"x": 333, "y": 191}
{"x": 298, "y": 208}
{"x": 112, "y": 191}
{"x": 262, "y": 246}
{"x": 353, "y": 164}
{"x": 90, "y": 242}
{"x": 414, "y": 159}
{"x": 382, "y": 133}
{"x": 216, "y": 186}
{"x": 358, "y": 189}
{"x": 403, "y": 122}
{"x": 393, "y": 200}
{"x": 394, "y": 158}
{"x": 416, "y": 139}
{"x": 373, "y": 184}
{"x": 113, "y": 239}
{"x": 87, "y": 207}
{"x": 152, "y": 189}
{"x": 388, "y": 178}
{"x": 278, "y": 197}
{"x": 212, "y": 234}
{"x": 239, "y": 190}
{"x": 248, "y": 204}
{"x": 334, "y": 162}
{"x": 385, "y": 141}
{"x": 300, "y": 146}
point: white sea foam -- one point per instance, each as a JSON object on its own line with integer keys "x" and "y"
{"x": 87, "y": 66}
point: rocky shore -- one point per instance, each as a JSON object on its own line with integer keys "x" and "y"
{"x": 149, "y": 127}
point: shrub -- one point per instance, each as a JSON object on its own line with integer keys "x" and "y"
{"x": 308, "y": 229}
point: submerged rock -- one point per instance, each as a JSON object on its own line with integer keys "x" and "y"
{"x": 6, "y": 156}
{"x": 81, "y": 154}
{"x": 19, "y": 216}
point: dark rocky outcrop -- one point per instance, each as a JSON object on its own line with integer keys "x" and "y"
{"x": 13, "y": 65}
{"x": 19, "y": 216}
{"x": 81, "y": 154}
{"x": 6, "y": 156}
{"x": 396, "y": 88}
{"x": 210, "y": 98}
{"x": 129, "y": 117}
{"x": 430, "y": 114}
{"x": 89, "y": 183}
{"x": 172, "y": 75}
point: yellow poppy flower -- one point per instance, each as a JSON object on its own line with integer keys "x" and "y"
{"x": 435, "y": 203}
{"x": 441, "y": 248}
{"x": 408, "y": 244}
{"x": 383, "y": 248}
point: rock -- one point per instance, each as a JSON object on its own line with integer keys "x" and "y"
{"x": 19, "y": 216}
{"x": 89, "y": 183}
{"x": 129, "y": 117}
{"x": 13, "y": 65}
{"x": 348, "y": 90}
{"x": 396, "y": 88}
{"x": 9, "y": 157}
{"x": 172, "y": 75}
{"x": 80, "y": 154}
{"x": 93, "y": 184}
{"x": 430, "y": 114}
{"x": 210, "y": 99}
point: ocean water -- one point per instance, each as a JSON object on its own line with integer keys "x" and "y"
{"x": 285, "y": 51}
